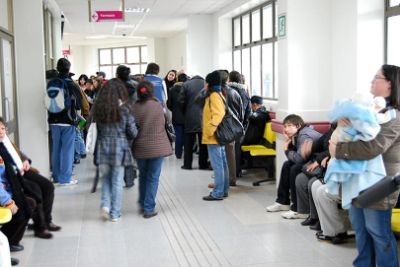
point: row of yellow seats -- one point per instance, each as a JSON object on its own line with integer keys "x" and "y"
{"x": 260, "y": 150}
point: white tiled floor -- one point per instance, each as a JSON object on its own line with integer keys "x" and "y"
{"x": 187, "y": 232}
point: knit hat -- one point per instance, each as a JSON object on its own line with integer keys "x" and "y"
{"x": 255, "y": 99}
{"x": 213, "y": 80}
{"x": 123, "y": 72}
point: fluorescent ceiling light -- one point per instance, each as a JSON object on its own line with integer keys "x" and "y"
{"x": 137, "y": 10}
{"x": 125, "y": 26}
{"x": 98, "y": 37}
{"x": 94, "y": 37}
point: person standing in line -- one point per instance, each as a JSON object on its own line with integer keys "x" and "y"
{"x": 159, "y": 85}
{"x": 115, "y": 127}
{"x": 170, "y": 79}
{"x": 375, "y": 241}
{"x": 150, "y": 147}
{"x": 213, "y": 113}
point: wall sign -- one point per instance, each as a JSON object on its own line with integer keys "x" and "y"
{"x": 282, "y": 25}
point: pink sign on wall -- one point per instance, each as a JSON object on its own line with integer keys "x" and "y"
{"x": 103, "y": 15}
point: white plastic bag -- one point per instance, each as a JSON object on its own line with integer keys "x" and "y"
{"x": 91, "y": 138}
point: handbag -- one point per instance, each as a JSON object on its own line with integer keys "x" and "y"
{"x": 91, "y": 138}
{"x": 230, "y": 128}
{"x": 169, "y": 128}
{"x": 317, "y": 172}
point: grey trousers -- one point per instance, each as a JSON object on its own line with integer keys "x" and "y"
{"x": 305, "y": 202}
{"x": 332, "y": 219}
{"x": 230, "y": 158}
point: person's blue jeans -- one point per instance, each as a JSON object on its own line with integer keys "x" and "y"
{"x": 62, "y": 155}
{"x": 375, "y": 241}
{"x": 80, "y": 148}
{"x": 111, "y": 191}
{"x": 179, "y": 133}
{"x": 220, "y": 167}
{"x": 149, "y": 177}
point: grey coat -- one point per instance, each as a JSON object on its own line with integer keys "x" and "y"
{"x": 112, "y": 145}
{"x": 387, "y": 144}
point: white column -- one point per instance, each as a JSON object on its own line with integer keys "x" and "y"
{"x": 30, "y": 76}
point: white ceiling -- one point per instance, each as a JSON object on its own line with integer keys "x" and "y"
{"x": 165, "y": 18}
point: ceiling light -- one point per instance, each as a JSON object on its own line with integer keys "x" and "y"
{"x": 125, "y": 26}
{"x": 94, "y": 37}
{"x": 137, "y": 10}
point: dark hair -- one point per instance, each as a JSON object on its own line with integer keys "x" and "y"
{"x": 224, "y": 76}
{"x": 63, "y": 65}
{"x": 235, "y": 77}
{"x": 182, "y": 77}
{"x": 51, "y": 74}
{"x": 2, "y": 121}
{"x": 106, "y": 109}
{"x": 83, "y": 76}
{"x": 296, "y": 120}
{"x": 123, "y": 72}
{"x": 145, "y": 91}
{"x": 152, "y": 68}
{"x": 392, "y": 74}
{"x": 169, "y": 83}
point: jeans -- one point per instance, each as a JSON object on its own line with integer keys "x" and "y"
{"x": 179, "y": 132}
{"x": 79, "y": 146}
{"x": 149, "y": 177}
{"x": 111, "y": 194}
{"x": 375, "y": 241}
{"x": 62, "y": 152}
{"x": 220, "y": 167}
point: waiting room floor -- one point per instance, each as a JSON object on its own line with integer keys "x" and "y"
{"x": 187, "y": 232}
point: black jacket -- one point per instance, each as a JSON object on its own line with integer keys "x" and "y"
{"x": 255, "y": 130}
{"x": 192, "y": 111}
{"x": 246, "y": 105}
{"x": 68, "y": 116}
{"x": 234, "y": 102}
{"x": 175, "y": 105}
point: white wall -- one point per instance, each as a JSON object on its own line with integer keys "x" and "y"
{"x": 175, "y": 52}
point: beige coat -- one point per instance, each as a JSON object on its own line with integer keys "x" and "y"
{"x": 387, "y": 144}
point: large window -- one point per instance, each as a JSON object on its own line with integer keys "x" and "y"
{"x": 392, "y": 37}
{"x": 254, "y": 49}
{"x": 135, "y": 57}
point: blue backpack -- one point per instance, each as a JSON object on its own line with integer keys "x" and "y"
{"x": 58, "y": 97}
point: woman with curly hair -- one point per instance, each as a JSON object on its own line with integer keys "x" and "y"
{"x": 115, "y": 126}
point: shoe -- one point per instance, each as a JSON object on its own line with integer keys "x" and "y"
{"x": 72, "y": 182}
{"x": 14, "y": 261}
{"x": 83, "y": 156}
{"x": 77, "y": 161}
{"x": 341, "y": 238}
{"x": 293, "y": 215}
{"x": 116, "y": 219}
{"x": 15, "y": 248}
{"x": 278, "y": 207}
{"x": 183, "y": 167}
{"x": 320, "y": 236}
{"x": 149, "y": 215}
{"x": 129, "y": 185}
{"x": 211, "y": 185}
{"x": 316, "y": 226}
{"x": 44, "y": 234}
{"x": 211, "y": 198}
{"x": 29, "y": 226}
{"x": 232, "y": 183}
{"x": 226, "y": 195}
{"x": 53, "y": 227}
{"x": 105, "y": 213}
{"x": 309, "y": 221}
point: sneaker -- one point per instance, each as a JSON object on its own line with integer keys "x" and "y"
{"x": 116, "y": 219}
{"x": 278, "y": 207}
{"x": 294, "y": 215}
{"x": 72, "y": 182}
{"x": 105, "y": 213}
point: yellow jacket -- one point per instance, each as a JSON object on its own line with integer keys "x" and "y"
{"x": 213, "y": 113}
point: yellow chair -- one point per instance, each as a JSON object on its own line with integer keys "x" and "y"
{"x": 396, "y": 220}
{"x": 260, "y": 150}
{"x": 5, "y": 215}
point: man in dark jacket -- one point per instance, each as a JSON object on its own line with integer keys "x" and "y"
{"x": 178, "y": 117}
{"x": 62, "y": 126}
{"x": 257, "y": 120}
{"x": 193, "y": 119}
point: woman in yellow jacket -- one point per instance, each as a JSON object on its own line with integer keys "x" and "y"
{"x": 213, "y": 113}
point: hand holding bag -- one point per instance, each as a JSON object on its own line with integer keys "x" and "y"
{"x": 169, "y": 128}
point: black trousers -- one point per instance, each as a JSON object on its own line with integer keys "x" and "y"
{"x": 14, "y": 230}
{"x": 189, "y": 141}
{"x": 42, "y": 190}
{"x": 287, "y": 184}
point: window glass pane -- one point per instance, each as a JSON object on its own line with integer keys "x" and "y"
{"x": 267, "y": 22}
{"x": 256, "y": 70}
{"x": 255, "y": 26}
{"x": 394, "y": 3}
{"x": 105, "y": 56}
{"x": 246, "y": 28}
{"x": 267, "y": 74}
{"x": 393, "y": 44}
{"x": 246, "y": 64}
{"x": 236, "y": 32}
{"x": 135, "y": 69}
{"x": 143, "y": 68}
{"x": 276, "y": 90}
{"x": 4, "y": 16}
{"x": 118, "y": 55}
{"x": 144, "y": 54}
{"x": 108, "y": 71}
{"x": 133, "y": 55}
{"x": 237, "y": 61}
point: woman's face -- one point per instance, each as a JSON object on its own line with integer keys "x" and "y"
{"x": 171, "y": 76}
{"x": 290, "y": 129}
{"x": 380, "y": 86}
{"x": 82, "y": 82}
{"x": 3, "y": 131}
{"x": 95, "y": 84}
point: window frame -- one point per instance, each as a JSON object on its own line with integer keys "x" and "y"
{"x": 112, "y": 64}
{"x": 260, "y": 43}
{"x": 389, "y": 12}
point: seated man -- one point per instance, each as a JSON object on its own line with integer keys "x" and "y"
{"x": 257, "y": 120}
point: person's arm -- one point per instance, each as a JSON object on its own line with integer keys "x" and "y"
{"x": 298, "y": 155}
{"x": 5, "y": 197}
{"x": 217, "y": 109}
{"x": 361, "y": 150}
{"x": 131, "y": 129}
